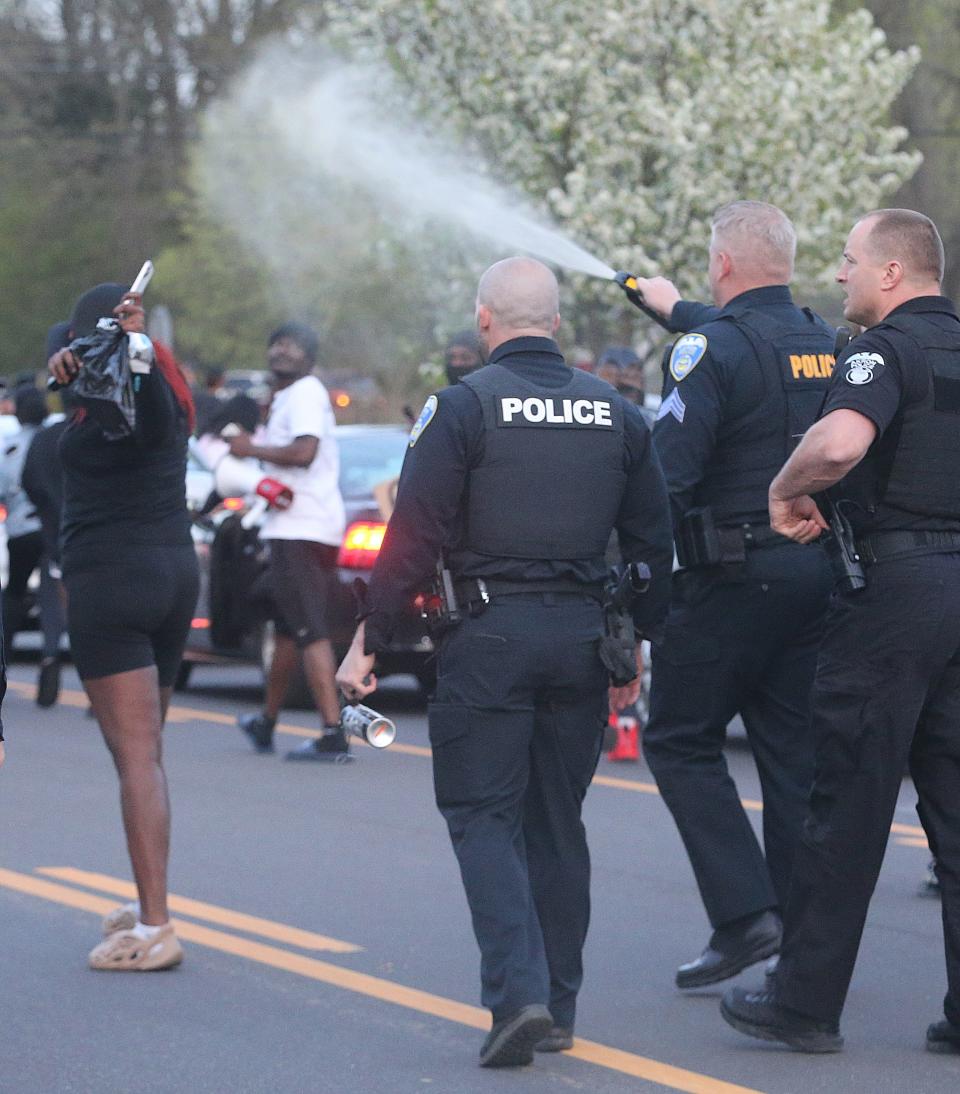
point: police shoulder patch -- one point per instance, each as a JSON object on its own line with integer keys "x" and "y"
{"x": 686, "y": 355}
{"x": 861, "y": 368}
{"x": 426, "y": 417}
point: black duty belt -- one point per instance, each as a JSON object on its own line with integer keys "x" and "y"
{"x": 735, "y": 541}
{"x": 883, "y": 545}
{"x": 475, "y": 591}
{"x": 758, "y": 535}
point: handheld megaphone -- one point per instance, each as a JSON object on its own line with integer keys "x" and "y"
{"x": 362, "y": 722}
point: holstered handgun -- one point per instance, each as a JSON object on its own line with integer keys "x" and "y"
{"x": 848, "y": 572}
{"x": 439, "y": 606}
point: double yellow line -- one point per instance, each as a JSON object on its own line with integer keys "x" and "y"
{"x": 76, "y": 895}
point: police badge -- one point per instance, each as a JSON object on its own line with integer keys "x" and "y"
{"x": 686, "y": 355}
{"x": 426, "y": 417}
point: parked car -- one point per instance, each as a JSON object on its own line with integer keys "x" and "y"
{"x": 228, "y": 622}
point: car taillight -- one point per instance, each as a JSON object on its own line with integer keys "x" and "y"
{"x": 361, "y": 545}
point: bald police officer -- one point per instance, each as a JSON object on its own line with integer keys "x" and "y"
{"x": 748, "y": 604}
{"x": 887, "y": 689}
{"x": 519, "y": 474}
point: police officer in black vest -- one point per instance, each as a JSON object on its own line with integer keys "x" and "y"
{"x": 887, "y": 691}
{"x": 748, "y": 604}
{"x": 518, "y": 474}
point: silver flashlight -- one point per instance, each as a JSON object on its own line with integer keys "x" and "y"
{"x": 366, "y": 724}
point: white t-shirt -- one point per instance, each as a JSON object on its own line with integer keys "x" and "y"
{"x": 303, "y": 410}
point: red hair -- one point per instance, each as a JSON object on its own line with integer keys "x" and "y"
{"x": 173, "y": 374}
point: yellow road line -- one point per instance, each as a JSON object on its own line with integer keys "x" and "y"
{"x": 911, "y": 841}
{"x": 213, "y": 913}
{"x": 386, "y": 991}
{"x": 186, "y": 714}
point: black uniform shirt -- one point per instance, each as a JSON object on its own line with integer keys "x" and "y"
{"x": 430, "y": 496}
{"x": 699, "y": 410}
{"x": 871, "y": 378}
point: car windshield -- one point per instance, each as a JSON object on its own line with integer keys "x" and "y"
{"x": 369, "y": 458}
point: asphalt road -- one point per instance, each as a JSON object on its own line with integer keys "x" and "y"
{"x": 328, "y": 942}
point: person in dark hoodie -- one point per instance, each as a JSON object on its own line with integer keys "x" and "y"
{"x": 462, "y": 356}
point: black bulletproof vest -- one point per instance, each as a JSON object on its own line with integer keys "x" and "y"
{"x": 553, "y": 470}
{"x": 917, "y": 460}
{"x": 795, "y": 359}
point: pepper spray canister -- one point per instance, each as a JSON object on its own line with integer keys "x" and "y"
{"x": 367, "y": 724}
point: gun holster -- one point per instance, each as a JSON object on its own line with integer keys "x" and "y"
{"x": 701, "y": 543}
{"x": 841, "y": 549}
{"x": 448, "y": 601}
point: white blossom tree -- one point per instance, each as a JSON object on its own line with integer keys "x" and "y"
{"x": 629, "y": 123}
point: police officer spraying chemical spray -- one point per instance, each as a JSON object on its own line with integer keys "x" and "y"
{"x": 887, "y": 689}
{"x": 518, "y": 474}
{"x": 747, "y": 608}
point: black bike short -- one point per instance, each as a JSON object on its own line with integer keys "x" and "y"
{"x": 132, "y": 612}
{"x": 302, "y": 578}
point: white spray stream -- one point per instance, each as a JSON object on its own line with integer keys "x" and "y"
{"x": 337, "y": 125}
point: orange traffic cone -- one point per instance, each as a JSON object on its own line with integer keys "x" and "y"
{"x": 627, "y": 746}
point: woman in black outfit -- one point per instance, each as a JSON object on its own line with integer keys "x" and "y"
{"x": 131, "y": 579}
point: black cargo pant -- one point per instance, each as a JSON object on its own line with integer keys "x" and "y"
{"x": 887, "y": 695}
{"x": 745, "y": 648}
{"x": 516, "y": 728}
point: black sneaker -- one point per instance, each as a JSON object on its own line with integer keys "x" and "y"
{"x": 758, "y": 1014}
{"x": 559, "y": 1039}
{"x": 259, "y": 728}
{"x": 511, "y": 1042}
{"x": 330, "y": 748}
{"x": 48, "y": 682}
{"x": 943, "y": 1037}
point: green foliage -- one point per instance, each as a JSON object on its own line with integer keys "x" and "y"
{"x": 49, "y": 253}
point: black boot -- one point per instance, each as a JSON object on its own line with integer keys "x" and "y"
{"x": 732, "y": 948}
{"x": 758, "y": 1014}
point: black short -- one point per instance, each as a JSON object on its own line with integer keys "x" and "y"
{"x": 132, "y": 612}
{"x": 302, "y": 579}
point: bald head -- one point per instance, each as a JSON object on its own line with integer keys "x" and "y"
{"x": 515, "y": 298}
{"x": 907, "y": 237}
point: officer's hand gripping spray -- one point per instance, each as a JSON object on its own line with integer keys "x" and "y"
{"x": 356, "y": 719}
{"x": 360, "y": 721}
{"x": 628, "y": 282}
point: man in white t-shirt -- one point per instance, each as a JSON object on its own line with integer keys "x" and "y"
{"x": 299, "y": 448}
